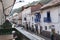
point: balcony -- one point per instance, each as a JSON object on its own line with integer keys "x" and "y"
{"x": 38, "y": 16}
{"x": 47, "y": 19}
{"x": 37, "y": 20}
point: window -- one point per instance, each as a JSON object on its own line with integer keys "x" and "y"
{"x": 48, "y": 14}
{"x": 48, "y": 18}
{"x": 32, "y": 18}
{"x": 45, "y": 27}
{"x": 59, "y": 14}
{"x": 45, "y": 19}
{"x": 25, "y": 19}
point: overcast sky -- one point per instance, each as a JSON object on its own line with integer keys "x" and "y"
{"x": 19, "y": 4}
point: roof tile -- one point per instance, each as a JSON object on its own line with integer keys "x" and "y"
{"x": 53, "y": 2}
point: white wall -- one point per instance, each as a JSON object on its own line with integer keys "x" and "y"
{"x": 54, "y": 12}
{"x": 32, "y": 22}
{"x": 25, "y": 13}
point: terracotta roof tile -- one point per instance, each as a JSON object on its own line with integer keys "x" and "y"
{"x": 35, "y": 7}
{"x": 52, "y": 3}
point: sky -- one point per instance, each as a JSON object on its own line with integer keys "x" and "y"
{"x": 19, "y": 4}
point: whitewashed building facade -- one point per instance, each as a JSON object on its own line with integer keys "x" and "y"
{"x": 50, "y": 16}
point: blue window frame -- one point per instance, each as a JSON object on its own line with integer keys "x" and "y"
{"x": 37, "y": 18}
{"x": 48, "y": 18}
